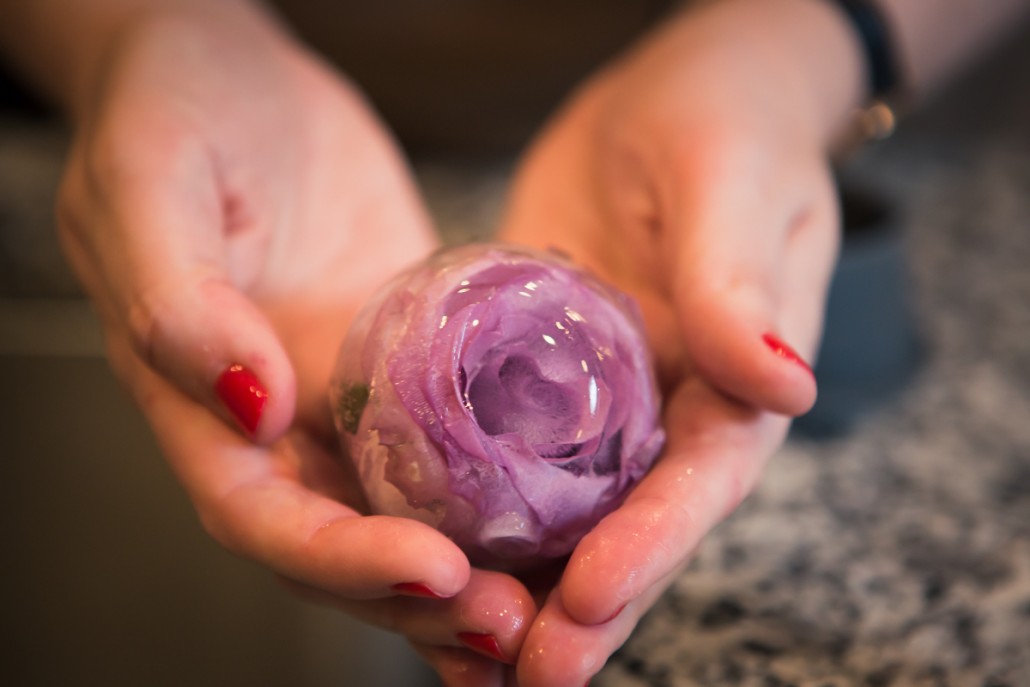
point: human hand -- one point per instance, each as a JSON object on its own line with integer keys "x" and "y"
{"x": 693, "y": 174}
{"x": 229, "y": 204}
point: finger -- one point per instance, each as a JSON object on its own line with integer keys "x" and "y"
{"x": 253, "y": 501}
{"x": 461, "y": 668}
{"x": 489, "y": 617}
{"x": 741, "y": 255}
{"x": 145, "y": 219}
{"x": 559, "y": 651}
{"x": 715, "y": 452}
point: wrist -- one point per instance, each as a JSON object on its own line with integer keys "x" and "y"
{"x": 798, "y": 60}
{"x": 822, "y": 45}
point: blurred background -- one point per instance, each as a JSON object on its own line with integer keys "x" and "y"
{"x": 107, "y": 576}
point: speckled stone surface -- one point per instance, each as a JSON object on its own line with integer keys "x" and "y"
{"x": 898, "y": 554}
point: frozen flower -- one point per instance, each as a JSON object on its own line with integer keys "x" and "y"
{"x": 503, "y": 396}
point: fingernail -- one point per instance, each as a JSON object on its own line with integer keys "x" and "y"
{"x": 484, "y": 644}
{"x": 416, "y": 589}
{"x": 614, "y": 615}
{"x": 784, "y": 351}
{"x": 243, "y": 395}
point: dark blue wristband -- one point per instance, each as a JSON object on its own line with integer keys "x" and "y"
{"x": 875, "y": 38}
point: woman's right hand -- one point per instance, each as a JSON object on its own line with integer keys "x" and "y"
{"x": 693, "y": 174}
{"x": 229, "y": 203}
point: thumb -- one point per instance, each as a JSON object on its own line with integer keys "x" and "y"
{"x": 732, "y": 337}
{"x": 749, "y": 286}
{"x": 211, "y": 341}
{"x": 148, "y": 241}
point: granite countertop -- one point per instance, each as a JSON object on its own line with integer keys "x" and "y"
{"x": 895, "y": 554}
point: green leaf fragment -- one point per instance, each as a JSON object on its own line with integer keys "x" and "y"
{"x": 351, "y": 405}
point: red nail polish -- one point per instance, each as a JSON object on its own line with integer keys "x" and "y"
{"x": 416, "y": 589}
{"x": 243, "y": 394}
{"x": 484, "y": 644}
{"x": 614, "y": 615}
{"x": 784, "y": 351}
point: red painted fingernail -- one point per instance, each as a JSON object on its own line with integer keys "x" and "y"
{"x": 243, "y": 394}
{"x": 784, "y": 351}
{"x": 484, "y": 644}
{"x": 614, "y": 615}
{"x": 416, "y": 589}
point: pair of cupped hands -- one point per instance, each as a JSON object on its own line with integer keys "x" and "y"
{"x": 231, "y": 201}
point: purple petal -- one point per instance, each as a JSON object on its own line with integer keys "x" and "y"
{"x": 510, "y": 401}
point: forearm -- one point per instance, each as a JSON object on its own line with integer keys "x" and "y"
{"x": 60, "y": 45}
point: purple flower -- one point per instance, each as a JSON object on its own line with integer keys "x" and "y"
{"x": 502, "y": 396}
